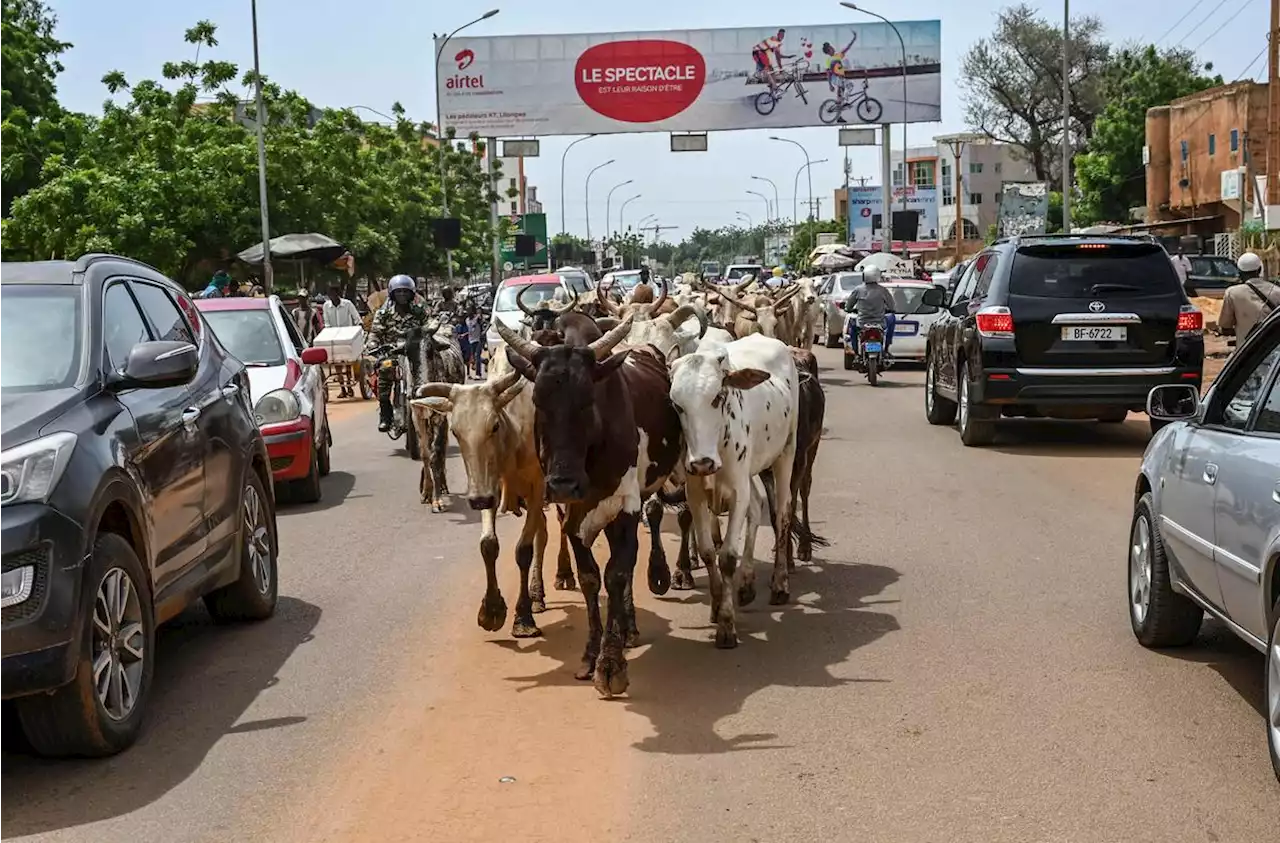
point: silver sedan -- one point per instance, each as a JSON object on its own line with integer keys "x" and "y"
{"x": 837, "y": 289}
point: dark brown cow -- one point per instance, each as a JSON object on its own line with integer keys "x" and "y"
{"x": 607, "y": 437}
{"x": 810, "y": 416}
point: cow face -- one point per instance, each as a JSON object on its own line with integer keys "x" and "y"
{"x": 665, "y": 332}
{"x": 702, "y": 387}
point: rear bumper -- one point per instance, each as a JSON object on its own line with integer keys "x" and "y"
{"x": 1127, "y": 387}
{"x": 289, "y": 447}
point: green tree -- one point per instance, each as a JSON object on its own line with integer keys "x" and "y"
{"x": 1110, "y": 176}
{"x": 806, "y": 237}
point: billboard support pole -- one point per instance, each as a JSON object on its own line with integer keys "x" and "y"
{"x": 886, "y": 189}
{"x": 495, "y": 267}
{"x": 957, "y": 151}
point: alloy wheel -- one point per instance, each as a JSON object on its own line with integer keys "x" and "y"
{"x": 963, "y": 396}
{"x": 1140, "y": 570}
{"x": 118, "y": 644}
{"x": 258, "y": 540}
{"x": 1273, "y": 686}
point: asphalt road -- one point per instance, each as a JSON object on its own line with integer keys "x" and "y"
{"x": 956, "y": 666}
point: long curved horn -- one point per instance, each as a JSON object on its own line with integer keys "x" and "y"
{"x": 504, "y": 383}
{"x": 550, "y": 304}
{"x": 525, "y": 348}
{"x": 436, "y": 390}
{"x": 509, "y": 394}
{"x": 662, "y": 299}
{"x": 737, "y": 302}
{"x": 785, "y": 296}
{"x": 684, "y": 313}
{"x": 603, "y": 346}
{"x": 605, "y": 301}
{"x": 742, "y": 288}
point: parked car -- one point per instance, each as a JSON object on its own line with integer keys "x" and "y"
{"x": 1211, "y": 275}
{"x": 577, "y": 279}
{"x": 286, "y": 388}
{"x": 838, "y": 288}
{"x": 620, "y": 282}
{"x": 506, "y": 309}
{"x": 1067, "y": 326}
{"x": 912, "y": 318}
{"x": 134, "y": 483}
{"x": 1206, "y": 517}
{"x": 735, "y": 272}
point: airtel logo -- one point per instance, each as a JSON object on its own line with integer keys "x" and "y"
{"x": 640, "y": 81}
{"x": 464, "y": 58}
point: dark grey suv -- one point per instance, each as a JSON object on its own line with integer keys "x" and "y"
{"x": 134, "y": 482}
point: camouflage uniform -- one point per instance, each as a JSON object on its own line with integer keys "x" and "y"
{"x": 391, "y": 326}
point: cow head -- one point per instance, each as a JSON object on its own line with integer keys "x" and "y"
{"x": 702, "y": 389}
{"x": 567, "y": 416}
{"x": 764, "y": 311}
{"x": 664, "y": 334}
{"x": 544, "y": 316}
{"x": 641, "y": 304}
{"x": 485, "y": 434}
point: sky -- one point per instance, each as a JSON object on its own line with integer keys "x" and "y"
{"x": 375, "y": 52}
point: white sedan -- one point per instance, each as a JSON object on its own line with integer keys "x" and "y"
{"x": 912, "y": 318}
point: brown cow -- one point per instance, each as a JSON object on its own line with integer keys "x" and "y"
{"x": 607, "y": 439}
{"x": 810, "y": 415}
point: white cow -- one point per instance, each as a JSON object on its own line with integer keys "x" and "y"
{"x": 738, "y": 407}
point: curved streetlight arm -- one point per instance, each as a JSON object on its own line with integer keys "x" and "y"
{"x": 587, "y": 196}
{"x": 766, "y": 202}
{"x": 608, "y": 203}
{"x": 623, "y": 210}
{"x": 563, "y": 155}
{"x": 777, "y": 205}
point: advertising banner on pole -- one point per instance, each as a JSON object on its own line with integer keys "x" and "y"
{"x": 867, "y": 221}
{"x": 692, "y": 80}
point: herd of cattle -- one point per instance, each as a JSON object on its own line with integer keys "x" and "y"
{"x": 706, "y": 400}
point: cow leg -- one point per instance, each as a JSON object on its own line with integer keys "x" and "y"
{"x": 493, "y": 609}
{"x": 424, "y": 484}
{"x": 780, "y": 585}
{"x": 771, "y": 496}
{"x": 703, "y": 518}
{"x": 730, "y": 554}
{"x": 537, "y": 591}
{"x": 439, "y": 441}
{"x": 683, "y": 578}
{"x": 589, "y": 575}
{"x": 624, "y": 546}
{"x": 659, "y": 571}
{"x": 745, "y": 577}
{"x": 564, "y": 571}
{"x": 523, "y": 625}
{"x": 804, "y": 551}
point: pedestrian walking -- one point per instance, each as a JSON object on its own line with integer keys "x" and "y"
{"x": 464, "y": 342}
{"x": 475, "y": 335}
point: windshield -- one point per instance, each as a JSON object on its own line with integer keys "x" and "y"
{"x": 579, "y": 282}
{"x": 1074, "y": 272}
{"x": 1217, "y": 267}
{"x": 741, "y": 271}
{"x": 250, "y": 335}
{"x": 537, "y": 293}
{"x": 41, "y": 337}
{"x": 846, "y": 283}
{"x": 626, "y": 279}
{"x": 907, "y": 301}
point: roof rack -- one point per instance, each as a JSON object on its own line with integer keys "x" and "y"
{"x": 1058, "y": 235}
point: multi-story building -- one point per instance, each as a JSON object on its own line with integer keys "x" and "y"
{"x": 1202, "y": 154}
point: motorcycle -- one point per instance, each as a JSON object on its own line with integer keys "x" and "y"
{"x": 864, "y": 350}
{"x": 392, "y": 363}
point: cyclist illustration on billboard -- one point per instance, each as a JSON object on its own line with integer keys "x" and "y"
{"x": 781, "y": 78}
{"x": 840, "y": 80}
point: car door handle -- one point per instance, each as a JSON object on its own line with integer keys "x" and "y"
{"x": 190, "y": 416}
{"x": 1210, "y": 473}
{"x": 229, "y": 392}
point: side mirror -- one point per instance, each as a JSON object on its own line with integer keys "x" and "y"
{"x": 935, "y": 296}
{"x": 315, "y": 356}
{"x": 1173, "y": 402}
{"x": 160, "y": 364}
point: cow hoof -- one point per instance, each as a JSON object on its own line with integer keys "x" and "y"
{"x": 539, "y": 605}
{"x": 611, "y": 677}
{"x": 682, "y": 581}
{"x": 586, "y": 670}
{"x": 525, "y": 629}
{"x": 659, "y": 579}
{"x": 566, "y": 583}
{"x": 438, "y": 505}
{"x": 779, "y": 598}
{"x": 632, "y": 640}
{"x": 747, "y": 594}
{"x": 493, "y": 613}
{"x": 726, "y": 639}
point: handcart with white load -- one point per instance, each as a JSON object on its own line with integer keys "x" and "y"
{"x": 345, "y": 347}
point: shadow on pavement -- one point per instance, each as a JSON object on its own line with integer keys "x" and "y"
{"x": 1243, "y": 667}
{"x": 1082, "y": 439}
{"x": 856, "y": 380}
{"x": 793, "y": 646}
{"x": 334, "y": 489}
{"x": 206, "y": 677}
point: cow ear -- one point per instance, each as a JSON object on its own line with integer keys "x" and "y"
{"x": 522, "y": 364}
{"x": 435, "y": 405}
{"x": 610, "y": 364}
{"x": 745, "y": 378}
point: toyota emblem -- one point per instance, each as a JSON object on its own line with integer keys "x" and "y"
{"x": 1096, "y": 307}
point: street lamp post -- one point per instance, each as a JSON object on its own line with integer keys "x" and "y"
{"x": 902, "y": 43}
{"x": 747, "y": 217}
{"x": 267, "y": 275}
{"x": 777, "y": 204}
{"x": 623, "y": 210}
{"x": 608, "y": 200}
{"x": 766, "y": 202}
{"x": 795, "y": 188}
{"x": 587, "y": 198}
{"x": 563, "y": 228}
{"x": 441, "y": 138}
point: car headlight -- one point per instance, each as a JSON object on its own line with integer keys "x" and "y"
{"x": 15, "y": 585}
{"x": 31, "y": 471}
{"x": 278, "y": 405}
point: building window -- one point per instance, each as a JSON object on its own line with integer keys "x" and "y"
{"x": 1184, "y": 150}
{"x": 1213, "y": 143}
{"x": 997, "y": 167}
{"x": 975, "y": 198}
{"x": 948, "y": 199}
{"x": 922, "y": 174}
{"x": 975, "y": 167}
{"x": 1235, "y": 140}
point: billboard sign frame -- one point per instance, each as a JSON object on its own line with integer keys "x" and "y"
{"x": 865, "y": 203}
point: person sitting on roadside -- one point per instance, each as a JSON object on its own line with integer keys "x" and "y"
{"x": 220, "y": 286}
{"x": 1250, "y": 301}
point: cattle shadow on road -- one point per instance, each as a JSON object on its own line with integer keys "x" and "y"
{"x": 1077, "y": 439}
{"x": 684, "y": 686}
{"x": 859, "y": 381}
{"x": 206, "y": 677}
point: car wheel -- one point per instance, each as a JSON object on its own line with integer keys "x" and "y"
{"x": 1273, "y": 691}
{"x": 307, "y": 490}
{"x": 1114, "y": 416}
{"x": 322, "y": 461}
{"x": 100, "y": 711}
{"x": 252, "y": 597}
{"x": 937, "y": 410}
{"x": 1160, "y": 616}
{"x": 977, "y": 427}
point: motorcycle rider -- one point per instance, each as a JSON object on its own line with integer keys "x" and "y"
{"x": 391, "y": 325}
{"x": 870, "y": 303}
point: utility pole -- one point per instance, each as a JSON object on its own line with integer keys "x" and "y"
{"x": 957, "y": 150}
{"x": 1273, "y": 120}
{"x": 1066, "y": 111}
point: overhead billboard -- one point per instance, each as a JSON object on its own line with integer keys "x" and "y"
{"x": 691, "y": 80}
{"x": 865, "y": 217}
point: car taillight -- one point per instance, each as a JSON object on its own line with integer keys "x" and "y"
{"x": 994, "y": 322}
{"x": 1190, "y": 321}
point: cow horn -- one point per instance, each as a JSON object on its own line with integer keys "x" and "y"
{"x": 435, "y": 390}
{"x": 788, "y": 294}
{"x": 506, "y": 388}
{"x": 603, "y": 346}
{"x": 737, "y": 301}
{"x": 573, "y": 305}
{"x": 532, "y": 314}
{"x": 684, "y": 312}
{"x": 525, "y": 348}
{"x": 662, "y": 299}
{"x": 605, "y": 301}
{"x": 742, "y": 288}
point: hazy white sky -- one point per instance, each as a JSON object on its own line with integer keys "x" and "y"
{"x": 376, "y": 52}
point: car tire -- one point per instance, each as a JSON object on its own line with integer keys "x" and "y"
{"x": 848, "y": 361}
{"x": 1273, "y": 691}
{"x": 1160, "y": 616}
{"x": 74, "y": 720}
{"x": 976, "y": 422}
{"x": 937, "y": 410}
{"x": 1114, "y": 416}
{"x": 308, "y": 490}
{"x": 252, "y": 597}
{"x": 322, "y": 461}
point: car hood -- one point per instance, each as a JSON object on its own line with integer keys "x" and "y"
{"x": 24, "y": 414}
{"x": 263, "y": 379}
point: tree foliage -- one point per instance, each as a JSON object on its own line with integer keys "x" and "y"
{"x": 29, "y": 107}
{"x": 1110, "y": 175}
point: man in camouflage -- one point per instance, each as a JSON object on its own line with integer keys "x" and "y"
{"x": 391, "y": 325}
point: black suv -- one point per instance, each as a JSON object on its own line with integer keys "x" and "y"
{"x": 134, "y": 482}
{"x": 1066, "y": 326}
